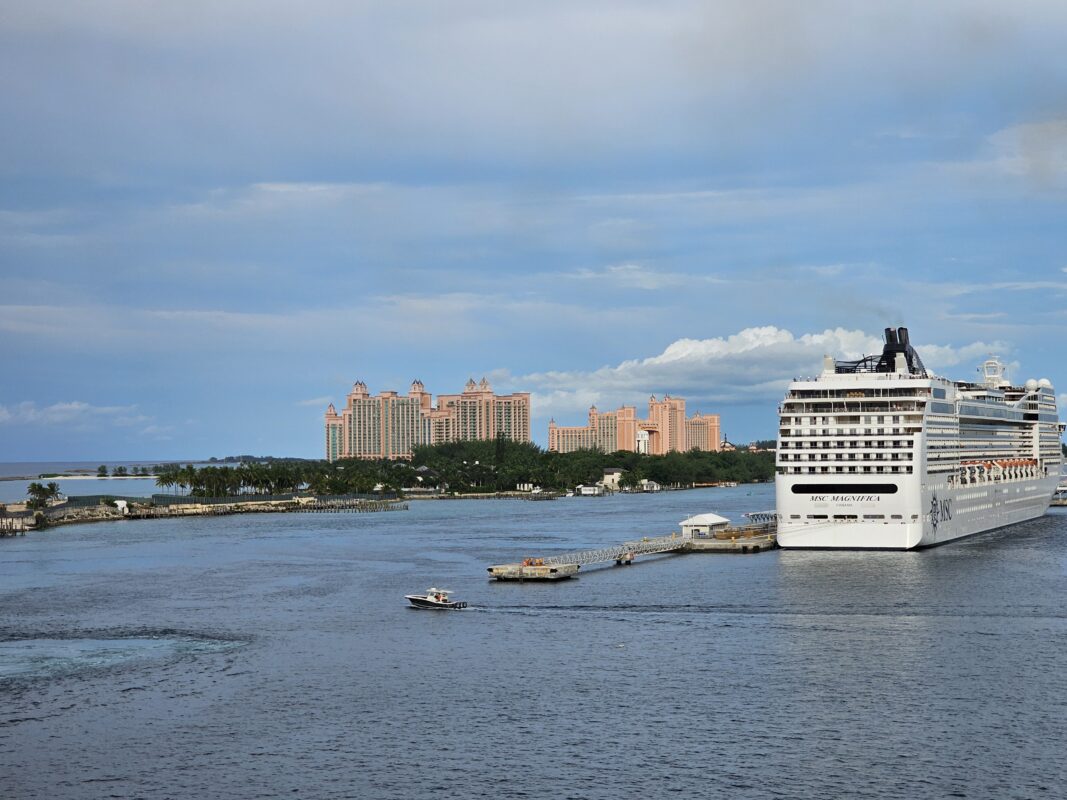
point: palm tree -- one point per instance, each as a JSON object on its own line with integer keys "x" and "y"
{"x": 185, "y": 477}
{"x": 164, "y": 479}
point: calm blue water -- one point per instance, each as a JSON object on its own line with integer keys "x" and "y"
{"x": 35, "y": 468}
{"x": 260, "y": 656}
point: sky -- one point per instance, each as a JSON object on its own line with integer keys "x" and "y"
{"x": 215, "y": 217}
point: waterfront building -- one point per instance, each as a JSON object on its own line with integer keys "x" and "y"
{"x": 666, "y": 425}
{"x": 390, "y": 425}
{"x": 607, "y": 431}
{"x": 334, "y": 434}
{"x": 612, "y": 476}
{"x": 703, "y": 432}
{"x": 666, "y": 430}
{"x": 703, "y": 525}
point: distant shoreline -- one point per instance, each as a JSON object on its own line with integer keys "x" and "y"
{"x": 24, "y": 522}
{"x": 75, "y": 477}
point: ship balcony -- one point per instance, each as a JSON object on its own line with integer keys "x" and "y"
{"x": 850, "y": 460}
{"x": 851, "y": 470}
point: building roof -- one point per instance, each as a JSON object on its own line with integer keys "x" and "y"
{"x": 705, "y": 519}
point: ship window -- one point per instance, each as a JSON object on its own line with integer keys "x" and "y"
{"x": 896, "y": 516}
{"x": 845, "y": 516}
{"x": 816, "y": 516}
{"x": 844, "y": 488}
{"x": 874, "y": 516}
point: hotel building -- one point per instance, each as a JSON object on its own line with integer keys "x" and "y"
{"x": 666, "y": 430}
{"x": 703, "y": 433}
{"x": 389, "y": 425}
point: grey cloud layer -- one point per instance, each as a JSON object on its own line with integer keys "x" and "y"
{"x": 388, "y": 190}
{"x": 545, "y": 83}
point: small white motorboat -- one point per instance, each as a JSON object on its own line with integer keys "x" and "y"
{"x": 435, "y": 598}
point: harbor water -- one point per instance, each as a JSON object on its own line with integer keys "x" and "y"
{"x": 274, "y": 655}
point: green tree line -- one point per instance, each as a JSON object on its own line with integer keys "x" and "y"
{"x": 465, "y": 467}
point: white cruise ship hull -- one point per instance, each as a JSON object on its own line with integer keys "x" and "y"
{"x": 962, "y": 512}
{"x": 880, "y": 454}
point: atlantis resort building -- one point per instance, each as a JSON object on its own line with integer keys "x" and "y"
{"x": 666, "y": 430}
{"x": 389, "y": 425}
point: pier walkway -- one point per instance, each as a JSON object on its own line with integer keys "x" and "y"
{"x": 751, "y": 538}
{"x": 624, "y": 552}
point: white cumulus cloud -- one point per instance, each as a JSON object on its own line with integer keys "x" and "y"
{"x": 754, "y": 365}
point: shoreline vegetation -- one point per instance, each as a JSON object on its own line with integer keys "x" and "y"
{"x": 458, "y": 470}
{"x": 477, "y": 467}
{"x": 474, "y": 467}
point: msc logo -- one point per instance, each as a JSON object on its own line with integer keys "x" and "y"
{"x": 939, "y": 511}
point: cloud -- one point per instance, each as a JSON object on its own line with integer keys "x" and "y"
{"x": 503, "y": 83}
{"x": 984, "y": 287}
{"x": 316, "y": 401}
{"x": 990, "y": 316}
{"x": 273, "y": 199}
{"x": 1034, "y": 152}
{"x": 73, "y": 413}
{"x": 754, "y": 365}
{"x": 939, "y": 356}
{"x": 638, "y": 276}
{"x": 158, "y": 432}
{"x": 452, "y": 317}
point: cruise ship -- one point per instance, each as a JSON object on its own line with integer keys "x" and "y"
{"x": 880, "y": 453}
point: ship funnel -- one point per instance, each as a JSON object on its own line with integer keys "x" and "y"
{"x": 902, "y": 334}
{"x": 890, "y": 335}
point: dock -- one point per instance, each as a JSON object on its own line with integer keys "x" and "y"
{"x": 754, "y": 542}
{"x": 752, "y": 538}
